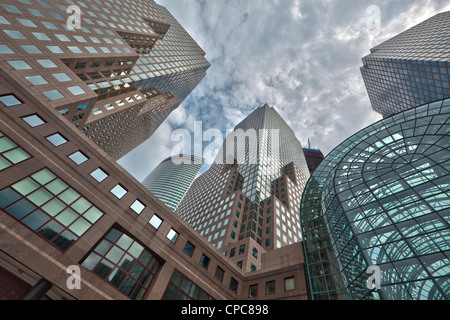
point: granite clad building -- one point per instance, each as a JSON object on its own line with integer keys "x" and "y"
{"x": 73, "y": 101}
{"x": 117, "y": 77}
{"x": 381, "y": 198}
{"x": 411, "y": 69}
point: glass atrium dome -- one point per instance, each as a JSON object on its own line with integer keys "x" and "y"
{"x": 381, "y": 199}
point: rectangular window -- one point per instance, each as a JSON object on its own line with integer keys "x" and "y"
{"x": 99, "y": 175}
{"x": 33, "y": 120}
{"x": 36, "y": 80}
{"x": 56, "y": 139}
{"x": 119, "y": 191}
{"x": 19, "y": 65}
{"x": 289, "y": 284}
{"x": 219, "y": 274}
{"x": 53, "y": 95}
{"x": 270, "y": 287}
{"x": 137, "y": 207}
{"x": 155, "y": 221}
{"x": 189, "y": 249}
{"x": 10, "y": 100}
{"x": 124, "y": 263}
{"x": 181, "y": 288}
{"x": 204, "y": 261}
{"x": 46, "y": 63}
{"x": 253, "y": 291}
{"x": 51, "y": 208}
{"x": 173, "y": 235}
{"x": 10, "y": 153}
{"x": 78, "y": 157}
{"x": 233, "y": 285}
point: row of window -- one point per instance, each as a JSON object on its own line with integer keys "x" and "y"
{"x": 189, "y": 249}
{"x": 289, "y": 285}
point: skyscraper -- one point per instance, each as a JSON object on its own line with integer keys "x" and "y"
{"x": 248, "y": 204}
{"x": 410, "y": 69}
{"x": 380, "y": 201}
{"x": 171, "y": 179}
{"x": 116, "y": 71}
{"x": 313, "y": 158}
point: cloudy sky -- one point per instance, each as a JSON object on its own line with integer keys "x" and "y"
{"x": 301, "y": 57}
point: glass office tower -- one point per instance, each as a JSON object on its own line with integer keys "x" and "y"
{"x": 248, "y": 204}
{"x": 116, "y": 75}
{"x": 382, "y": 198}
{"x": 411, "y": 69}
{"x": 171, "y": 179}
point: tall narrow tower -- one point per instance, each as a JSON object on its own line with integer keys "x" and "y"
{"x": 117, "y": 75}
{"x": 247, "y": 203}
{"x": 410, "y": 69}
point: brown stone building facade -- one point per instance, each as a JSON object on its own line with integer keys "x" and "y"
{"x": 73, "y": 223}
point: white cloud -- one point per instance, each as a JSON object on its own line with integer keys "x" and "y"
{"x": 302, "y": 57}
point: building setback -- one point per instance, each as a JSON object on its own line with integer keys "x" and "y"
{"x": 247, "y": 206}
{"x": 65, "y": 204}
{"x": 411, "y": 69}
{"x": 380, "y": 200}
{"x": 116, "y": 77}
{"x": 171, "y": 179}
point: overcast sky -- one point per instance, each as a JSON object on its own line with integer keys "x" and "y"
{"x": 300, "y": 57}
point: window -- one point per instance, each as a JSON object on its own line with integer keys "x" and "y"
{"x": 10, "y": 100}
{"x": 124, "y": 263}
{"x": 289, "y": 284}
{"x": 4, "y": 49}
{"x": 61, "y": 77}
{"x": 204, "y": 261}
{"x": 36, "y": 80}
{"x": 53, "y": 95}
{"x": 74, "y": 49}
{"x": 232, "y": 252}
{"x": 55, "y": 49}
{"x": 99, "y": 175}
{"x": 27, "y": 23}
{"x": 118, "y": 191}
{"x": 14, "y": 34}
{"x": 241, "y": 249}
{"x": 233, "y": 285}
{"x": 219, "y": 274}
{"x": 189, "y": 249}
{"x": 62, "y": 38}
{"x": 173, "y": 235}
{"x": 76, "y": 90}
{"x": 56, "y": 139}
{"x": 33, "y": 120}
{"x": 46, "y": 63}
{"x": 270, "y": 287}
{"x": 181, "y": 288}
{"x": 239, "y": 264}
{"x": 50, "y": 207}
{"x": 137, "y": 207}
{"x": 253, "y": 291}
{"x": 41, "y": 36}
{"x": 78, "y": 157}
{"x": 155, "y": 221}
{"x": 11, "y": 8}
{"x": 31, "y": 49}
{"x": 19, "y": 65}
{"x": 10, "y": 153}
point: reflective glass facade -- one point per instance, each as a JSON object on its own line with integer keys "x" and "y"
{"x": 116, "y": 75}
{"x": 382, "y": 198}
{"x": 411, "y": 69}
{"x": 250, "y": 205}
{"x": 171, "y": 179}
